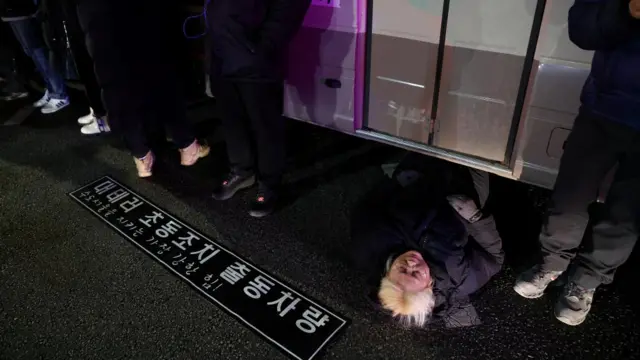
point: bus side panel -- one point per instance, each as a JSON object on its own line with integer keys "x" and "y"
{"x": 404, "y": 51}
{"x": 554, "y": 100}
{"x": 321, "y": 68}
{"x": 486, "y": 46}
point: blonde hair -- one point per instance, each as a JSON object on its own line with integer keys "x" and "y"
{"x": 411, "y": 309}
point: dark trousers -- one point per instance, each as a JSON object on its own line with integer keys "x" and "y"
{"x": 135, "y": 46}
{"x": 597, "y": 247}
{"x": 82, "y": 59}
{"x": 252, "y": 121}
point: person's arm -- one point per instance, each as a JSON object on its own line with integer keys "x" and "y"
{"x": 284, "y": 18}
{"x": 488, "y": 240}
{"x": 600, "y": 24}
{"x": 483, "y": 255}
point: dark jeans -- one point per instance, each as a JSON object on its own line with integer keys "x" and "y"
{"x": 82, "y": 59}
{"x": 29, "y": 34}
{"x": 597, "y": 247}
{"x": 254, "y": 128}
{"x": 135, "y": 54}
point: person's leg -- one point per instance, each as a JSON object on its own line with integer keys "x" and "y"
{"x": 263, "y": 103}
{"x": 613, "y": 235}
{"x": 82, "y": 59}
{"x": 108, "y": 32}
{"x": 30, "y": 40}
{"x": 589, "y": 154}
{"x": 237, "y": 132}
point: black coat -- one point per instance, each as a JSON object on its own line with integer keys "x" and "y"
{"x": 249, "y": 38}
{"x": 462, "y": 257}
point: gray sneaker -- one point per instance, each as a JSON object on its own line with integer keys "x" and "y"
{"x": 532, "y": 283}
{"x": 574, "y": 305}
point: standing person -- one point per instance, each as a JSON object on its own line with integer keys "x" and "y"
{"x": 134, "y": 46}
{"x": 21, "y": 16}
{"x": 96, "y": 121}
{"x": 606, "y": 132}
{"x": 249, "y": 41}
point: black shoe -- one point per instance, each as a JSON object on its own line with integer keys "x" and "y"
{"x": 232, "y": 184}
{"x": 265, "y": 203}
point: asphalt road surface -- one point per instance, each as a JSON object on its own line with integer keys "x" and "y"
{"x": 72, "y": 288}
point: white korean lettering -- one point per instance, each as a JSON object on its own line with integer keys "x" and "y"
{"x": 170, "y": 228}
{"x": 175, "y": 263}
{"x": 311, "y": 319}
{"x": 207, "y": 247}
{"x": 163, "y": 248}
{"x": 257, "y": 287}
{"x": 185, "y": 239}
{"x": 153, "y": 218}
{"x": 283, "y": 299}
{"x": 130, "y": 204}
{"x": 103, "y": 208}
{"x": 234, "y": 272}
{"x": 190, "y": 268}
{"x": 104, "y": 187}
{"x": 117, "y": 195}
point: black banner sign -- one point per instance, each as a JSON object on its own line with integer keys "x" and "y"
{"x": 296, "y": 324}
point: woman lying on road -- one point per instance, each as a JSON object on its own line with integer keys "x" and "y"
{"x": 427, "y": 242}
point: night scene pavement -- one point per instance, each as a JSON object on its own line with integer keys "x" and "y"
{"x": 72, "y": 288}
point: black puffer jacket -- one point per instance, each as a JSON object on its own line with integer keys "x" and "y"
{"x": 249, "y": 38}
{"x": 11, "y": 10}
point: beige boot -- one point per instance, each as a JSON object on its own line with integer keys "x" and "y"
{"x": 193, "y": 152}
{"x": 144, "y": 165}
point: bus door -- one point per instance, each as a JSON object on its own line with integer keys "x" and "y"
{"x": 448, "y": 75}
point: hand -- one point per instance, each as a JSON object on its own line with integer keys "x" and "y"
{"x": 634, "y": 8}
{"x": 465, "y": 207}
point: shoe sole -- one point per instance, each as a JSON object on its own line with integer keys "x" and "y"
{"x": 258, "y": 215}
{"x": 569, "y": 322}
{"x": 204, "y": 153}
{"x": 94, "y": 133}
{"x": 244, "y": 185}
{"x": 46, "y": 112}
{"x": 85, "y": 122}
{"x": 519, "y": 291}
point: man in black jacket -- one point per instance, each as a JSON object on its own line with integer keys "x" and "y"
{"x": 428, "y": 243}
{"x": 249, "y": 41}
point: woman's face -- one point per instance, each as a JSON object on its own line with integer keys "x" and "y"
{"x": 410, "y": 272}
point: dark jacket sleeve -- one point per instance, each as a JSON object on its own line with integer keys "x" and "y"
{"x": 600, "y": 24}
{"x": 284, "y": 18}
{"x": 483, "y": 256}
{"x": 375, "y": 233}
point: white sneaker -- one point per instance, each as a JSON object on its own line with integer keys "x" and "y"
{"x": 98, "y": 126}
{"x": 55, "y": 105}
{"x": 43, "y": 100}
{"x": 87, "y": 119}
